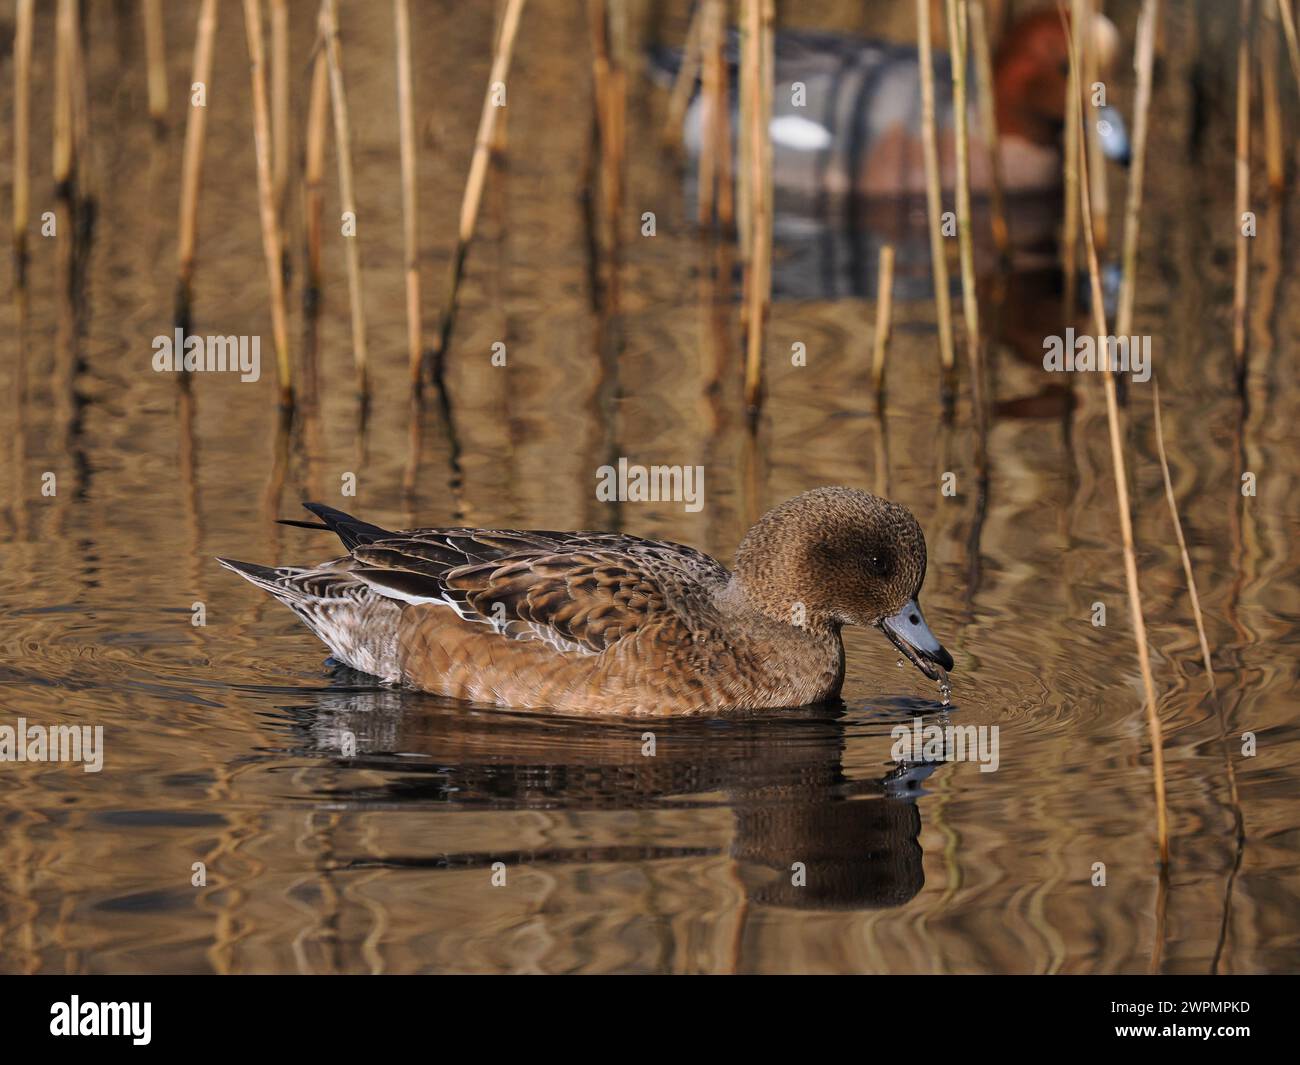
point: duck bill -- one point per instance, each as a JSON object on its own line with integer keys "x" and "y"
{"x": 908, "y": 632}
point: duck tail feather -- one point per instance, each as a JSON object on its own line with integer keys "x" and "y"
{"x": 302, "y": 524}
{"x": 352, "y": 531}
{"x": 260, "y": 575}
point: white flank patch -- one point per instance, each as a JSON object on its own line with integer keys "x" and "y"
{"x": 801, "y": 134}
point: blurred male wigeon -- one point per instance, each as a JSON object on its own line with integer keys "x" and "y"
{"x": 858, "y": 127}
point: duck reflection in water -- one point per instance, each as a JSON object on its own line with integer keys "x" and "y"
{"x": 783, "y": 778}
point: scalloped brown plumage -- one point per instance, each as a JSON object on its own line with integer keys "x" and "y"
{"x": 606, "y": 623}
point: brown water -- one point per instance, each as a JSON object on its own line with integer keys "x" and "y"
{"x": 230, "y": 744}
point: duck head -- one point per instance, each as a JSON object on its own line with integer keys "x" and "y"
{"x": 1032, "y": 76}
{"x": 837, "y": 556}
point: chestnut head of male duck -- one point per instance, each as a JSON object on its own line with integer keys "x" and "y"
{"x": 1031, "y": 79}
{"x": 606, "y": 623}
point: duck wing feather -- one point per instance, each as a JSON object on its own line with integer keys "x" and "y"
{"x": 580, "y": 592}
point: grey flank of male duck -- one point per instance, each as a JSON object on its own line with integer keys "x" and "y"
{"x": 605, "y": 623}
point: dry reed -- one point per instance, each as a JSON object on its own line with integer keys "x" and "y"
{"x": 726, "y": 177}
{"x": 989, "y": 125}
{"x": 714, "y": 181}
{"x": 760, "y": 16}
{"x": 958, "y": 22}
{"x": 884, "y": 317}
{"x": 711, "y": 30}
{"x": 478, "y": 169}
{"x": 1144, "y": 64}
{"x": 1178, "y": 532}
{"x": 1269, "y": 93}
{"x": 266, "y": 197}
{"x": 610, "y": 85}
{"x": 155, "y": 46}
{"x": 767, "y": 82}
{"x": 313, "y": 188}
{"x": 933, "y": 197}
{"x": 65, "y": 31}
{"x": 280, "y": 148}
{"x": 22, "y": 134}
{"x": 410, "y": 236}
{"x": 329, "y": 28}
{"x": 1098, "y": 193}
{"x": 1073, "y": 152}
{"x": 501, "y": 131}
{"x": 684, "y": 84}
{"x": 85, "y": 173}
{"x": 192, "y": 164}
{"x": 1242, "y": 197}
{"x": 1288, "y": 31}
{"x": 1121, "y": 481}
{"x": 747, "y": 77}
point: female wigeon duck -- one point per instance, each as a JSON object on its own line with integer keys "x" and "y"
{"x": 856, "y": 125}
{"x": 605, "y": 623}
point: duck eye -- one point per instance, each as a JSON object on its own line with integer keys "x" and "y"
{"x": 879, "y": 565}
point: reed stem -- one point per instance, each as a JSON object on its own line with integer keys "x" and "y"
{"x": 1121, "y": 479}
{"x": 22, "y": 134}
{"x": 82, "y": 156}
{"x": 1288, "y": 31}
{"x": 1178, "y": 532}
{"x": 760, "y": 15}
{"x": 280, "y": 148}
{"x": 501, "y": 131}
{"x": 192, "y": 164}
{"x": 958, "y": 22}
{"x": 933, "y": 197}
{"x": 609, "y": 43}
{"x": 884, "y": 317}
{"x": 744, "y": 151}
{"x": 266, "y": 197}
{"x": 410, "y": 215}
{"x": 313, "y": 187}
{"x": 715, "y": 147}
{"x": 478, "y": 169}
{"x": 610, "y": 102}
{"x": 155, "y": 46}
{"x": 1240, "y": 289}
{"x": 1144, "y": 63}
{"x": 1073, "y": 155}
{"x": 684, "y": 84}
{"x": 65, "y": 30}
{"x": 347, "y": 198}
{"x": 1269, "y": 92}
{"x": 989, "y": 123}
{"x": 1099, "y": 193}
{"x": 722, "y": 136}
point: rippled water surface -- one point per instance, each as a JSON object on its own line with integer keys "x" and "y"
{"x": 231, "y": 744}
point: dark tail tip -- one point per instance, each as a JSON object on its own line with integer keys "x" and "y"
{"x": 303, "y": 524}
{"x": 352, "y": 531}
